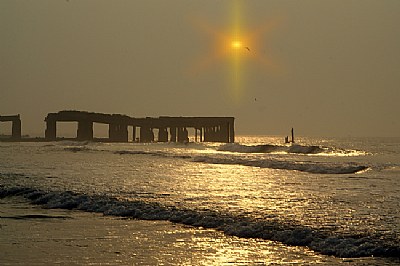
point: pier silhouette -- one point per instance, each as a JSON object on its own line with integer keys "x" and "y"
{"x": 173, "y": 129}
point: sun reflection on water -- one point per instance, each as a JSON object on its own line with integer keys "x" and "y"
{"x": 214, "y": 248}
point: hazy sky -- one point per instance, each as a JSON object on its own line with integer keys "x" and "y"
{"x": 327, "y": 68}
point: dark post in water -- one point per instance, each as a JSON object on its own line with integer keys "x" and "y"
{"x": 292, "y": 135}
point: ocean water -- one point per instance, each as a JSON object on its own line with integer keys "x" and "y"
{"x": 256, "y": 201}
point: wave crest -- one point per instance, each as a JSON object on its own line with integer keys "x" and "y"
{"x": 289, "y": 149}
{"x": 269, "y": 148}
{"x": 270, "y": 229}
{"x": 302, "y": 166}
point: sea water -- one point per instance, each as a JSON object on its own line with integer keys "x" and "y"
{"x": 256, "y": 201}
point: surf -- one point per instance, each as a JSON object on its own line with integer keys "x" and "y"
{"x": 286, "y": 232}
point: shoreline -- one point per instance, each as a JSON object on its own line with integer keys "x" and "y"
{"x": 31, "y": 235}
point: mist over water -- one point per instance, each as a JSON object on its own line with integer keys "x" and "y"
{"x": 335, "y": 197}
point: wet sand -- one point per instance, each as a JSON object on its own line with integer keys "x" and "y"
{"x": 30, "y": 235}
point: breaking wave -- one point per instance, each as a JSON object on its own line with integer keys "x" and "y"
{"x": 314, "y": 167}
{"x": 153, "y": 153}
{"x": 303, "y": 166}
{"x": 289, "y": 233}
{"x": 294, "y": 149}
{"x": 269, "y": 148}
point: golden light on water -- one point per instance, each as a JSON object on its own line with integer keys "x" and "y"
{"x": 238, "y": 47}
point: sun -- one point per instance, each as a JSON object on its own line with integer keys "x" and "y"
{"x": 236, "y": 44}
{"x": 238, "y": 47}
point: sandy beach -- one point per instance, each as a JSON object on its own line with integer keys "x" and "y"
{"x": 31, "y": 235}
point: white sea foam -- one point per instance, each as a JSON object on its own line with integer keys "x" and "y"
{"x": 289, "y": 149}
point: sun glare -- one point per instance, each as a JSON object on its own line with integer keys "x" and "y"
{"x": 236, "y": 44}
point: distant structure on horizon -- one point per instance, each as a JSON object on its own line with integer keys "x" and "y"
{"x": 173, "y": 129}
{"x": 287, "y": 137}
{"x": 16, "y": 125}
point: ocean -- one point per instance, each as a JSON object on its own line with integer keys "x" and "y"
{"x": 258, "y": 201}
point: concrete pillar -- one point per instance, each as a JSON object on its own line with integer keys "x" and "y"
{"x": 146, "y": 134}
{"x": 210, "y": 134}
{"x": 123, "y": 133}
{"x": 219, "y": 133}
{"x": 16, "y": 129}
{"x": 225, "y": 133}
{"x": 183, "y": 135}
{"x": 118, "y": 132}
{"x": 51, "y": 128}
{"x": 162, "y": 135}
{"x": 112, "y": 132}
{"x": 232, "y": 132}
{"x": 85, "y": 130}
{"x": 133, "y": 133}
{"x": 172, "y": 131}
{"x": 206, "y": 134}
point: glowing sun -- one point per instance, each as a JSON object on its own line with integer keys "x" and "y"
{"x": 236, "y": 45}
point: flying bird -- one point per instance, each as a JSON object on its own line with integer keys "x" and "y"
{"x": 247, "y": 48}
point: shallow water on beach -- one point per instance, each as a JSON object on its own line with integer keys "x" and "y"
{"x": 257, "y": 201}
{"x": 35, "y": 236}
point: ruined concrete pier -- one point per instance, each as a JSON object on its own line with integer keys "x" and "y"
{"x": 16, "y": 125}
{"x": 174, "y": 129}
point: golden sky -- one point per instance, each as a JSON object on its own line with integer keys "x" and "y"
{"x": 327, "y": 68}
